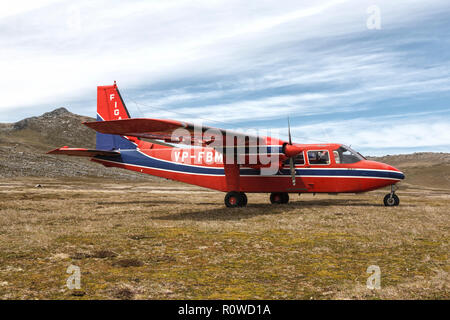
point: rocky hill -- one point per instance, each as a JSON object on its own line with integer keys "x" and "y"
{"x": 23, "y": 146}
{"x": 416, "y": 159}
{"x": 428, "y": 169}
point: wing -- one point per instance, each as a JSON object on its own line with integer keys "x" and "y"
{"x": 141, "y": 128}
{"x": 81, "y": 152}
{"x": 181, "y": 132}
{"x": 247, "y": 149}
{"x": 238, "y": 148}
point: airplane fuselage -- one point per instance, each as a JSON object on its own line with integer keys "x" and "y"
{"x": 204, "y": 167}
{"x": 226, "y": 160}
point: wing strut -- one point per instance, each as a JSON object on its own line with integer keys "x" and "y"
{"x": 232, "y": 176}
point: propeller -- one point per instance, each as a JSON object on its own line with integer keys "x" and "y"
{"x": 291, "y": 159}
{"x": 291, "y": 151}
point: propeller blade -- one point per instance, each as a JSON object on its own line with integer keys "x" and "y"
{"x": 289, "y": 131}
{"x": 292, "y": 167}
{"x": 291, "y": 159}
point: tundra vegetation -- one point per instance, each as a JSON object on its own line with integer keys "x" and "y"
{"x": 163, "y": 240}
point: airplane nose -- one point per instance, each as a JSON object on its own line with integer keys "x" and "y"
{"x": 385, "y": 170}
{"x": 397, "y": 174}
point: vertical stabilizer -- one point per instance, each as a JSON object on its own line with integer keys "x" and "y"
{"x": 110, "y": 106}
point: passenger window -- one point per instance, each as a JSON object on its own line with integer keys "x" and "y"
{"x": 337, "y": 159}
{"x": 298, "y": 160}
{"x": 319, "y": 157}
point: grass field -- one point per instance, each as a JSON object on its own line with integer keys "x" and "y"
{"x": 163, "y": 240}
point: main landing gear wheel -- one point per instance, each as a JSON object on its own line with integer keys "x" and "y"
{"x": 391, "y": 199}
{"x": 244, "y": 199}
{"x": 235, "y": 199}
{"x": 279, "y": 197}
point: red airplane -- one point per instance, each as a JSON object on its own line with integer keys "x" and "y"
{"x": 234, "y": 165}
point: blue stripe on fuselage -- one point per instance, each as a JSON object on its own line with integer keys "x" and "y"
{"x": 348, "y": 173}
{"x": 133, "y": 157}
{"x": 136, "y": 158}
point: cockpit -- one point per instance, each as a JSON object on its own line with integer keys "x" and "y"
{"x": 346, "y": 154}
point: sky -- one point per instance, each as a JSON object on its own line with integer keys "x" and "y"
{"x": 371, "y": 74}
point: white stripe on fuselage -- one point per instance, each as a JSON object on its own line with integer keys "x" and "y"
{"x": 246, "y": 175}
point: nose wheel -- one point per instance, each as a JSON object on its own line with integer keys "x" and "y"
{"x": 391, "y": 199}
{"x": 235, "y": 199}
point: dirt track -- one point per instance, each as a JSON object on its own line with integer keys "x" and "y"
{"x": 162, "y": 240}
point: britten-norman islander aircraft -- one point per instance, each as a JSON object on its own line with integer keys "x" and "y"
{"x": 235, "y": 165}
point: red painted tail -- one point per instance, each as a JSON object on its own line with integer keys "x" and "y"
{"x": 110, "y": 105}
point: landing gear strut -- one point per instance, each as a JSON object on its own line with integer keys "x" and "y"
{"x": 279, "y": 197}
{"x": 235, "y": 199}
{"x": 391, "y": 199}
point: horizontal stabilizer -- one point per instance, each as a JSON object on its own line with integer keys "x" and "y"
{"x": 81, "y": 152}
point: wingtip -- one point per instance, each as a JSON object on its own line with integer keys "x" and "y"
{"x": 89, "y": 123}
{"x": 57, "y": 149}
{"x": 52, "y": 151}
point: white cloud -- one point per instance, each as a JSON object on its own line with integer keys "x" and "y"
{"x": 385, "y": 132}
{"x": 147, "y": 42}
{"x": 11, "y": 8}
{"x": 230, "y": 57}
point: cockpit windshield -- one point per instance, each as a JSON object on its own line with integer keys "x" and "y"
{"x": 347, "y": 155}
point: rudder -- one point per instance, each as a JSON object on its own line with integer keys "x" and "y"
{"x": 110, "y": 106}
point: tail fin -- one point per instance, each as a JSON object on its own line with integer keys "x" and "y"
{"x": 110, "y": 106}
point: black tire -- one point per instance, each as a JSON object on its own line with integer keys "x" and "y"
{"x": 279, "y": 197}
{"x": 235, "y": 199}
{"x": 244, "y": 199}
{"x": 391, "y": 201}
